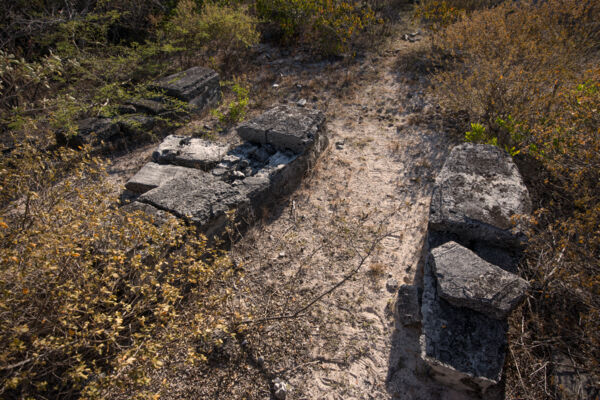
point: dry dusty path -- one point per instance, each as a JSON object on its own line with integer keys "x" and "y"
{"x": 354, "y": 228}
{"x": 372, "y": 185}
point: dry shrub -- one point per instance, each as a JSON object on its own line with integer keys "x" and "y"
{"x": 90, "y": 294}
{"x": 511, "y": 60}
{"x": 327, "y": 26}
{"x": 525, "y": 74}
{"x": 219, "y": 30}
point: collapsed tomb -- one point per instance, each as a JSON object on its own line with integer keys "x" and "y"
{"x": 202, "y": 181}
{"x": 469, "y": 284}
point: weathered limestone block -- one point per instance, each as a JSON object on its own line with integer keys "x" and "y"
{"x": 198, "y": 197}
{"x": 198, "y": 86}
{"x": 285, "y": 128}
{"x": 476, "y": 194}
{"x": 91, "y": 131}
{"x": 209, "y": 179}
{"x": 153, "y": 175}
{"x": 158, "y": 217}
{"x": 464, "y": 348}
{"x": 408, "y": 309}
{"x": 465, "y": 280}
{"x": 189, "y": 152}
{"x": 137, "y": 126}
{"x": 148, "y": 106}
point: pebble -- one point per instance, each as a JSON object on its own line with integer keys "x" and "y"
{"x": 301, "y": 102}
{"x": 238, "y": 175}
{"x": 280, "y": 389}
{"x": 392, "y": 285}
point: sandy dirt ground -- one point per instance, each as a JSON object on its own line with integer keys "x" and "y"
{"x": 321, "y": 270}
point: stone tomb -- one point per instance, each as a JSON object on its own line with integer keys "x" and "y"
{"x": 201, "y": 181}
{"x": 142, "y": 120}
{"x": 467, "y": 289}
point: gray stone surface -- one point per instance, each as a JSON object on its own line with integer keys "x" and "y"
{"x": 148, "y": 106}
{"x": 210, "y": 180}
{"x": 157, "y": 217}
{"x": 408, "y": 309}
{"x": 91, "y": 131}
{"x": 198, "y": 197}
{"x": 153, "y": 175}
{"x": 189, "y": 152}
{"x": 465, "y": 280}
{"x": 197, "y": 86}
{"x": 285, "y": 128}
{"x": 476, "y": 193}
{"x": 137, "y": 125}
{"x": 465, "y": 349}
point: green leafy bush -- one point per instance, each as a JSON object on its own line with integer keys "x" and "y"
{"x": 237, "y": 108}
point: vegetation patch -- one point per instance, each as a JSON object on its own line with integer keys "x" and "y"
{"x": 525, "y": 74}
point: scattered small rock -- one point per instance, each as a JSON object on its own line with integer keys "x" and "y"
{"x": 301, "y": 102}
{"x": 391, "y": 285}
{"x": 238, "y": 175}
{"x": 339, "y": 145}
{"x": 280, "y": 389}
{"x": 260, "y": 361}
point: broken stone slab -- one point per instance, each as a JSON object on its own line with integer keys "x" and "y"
{"x": 189, "y": 152}
{"x": 153, "y": 175}
{"x": 476, "y": 194}
{"x": 148, "y": 106}
{"x": 197, "y": 86}
{"x": 137, "y": 125}
{"x": 157, "y": 217}
{"x": 198, "y": 197}
{"x": 466, "y": 280}
{"x": 285, "y": 128}
{"x": 408, "y": 309}
{"x": 464, "y": 348}
{"x": 92, "y": 131}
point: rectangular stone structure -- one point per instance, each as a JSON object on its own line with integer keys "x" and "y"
{"x": 465, "y": 280}
{"x": 189, "y": 152}
{"x": 464, "y": 348}
{"x": 476, "y": 194}
{"x": 153, "y": 175}
{"x": 285, "y": 128}
{"x": 197, "y": 86}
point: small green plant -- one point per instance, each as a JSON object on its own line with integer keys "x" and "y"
{"x": 237, "y": 108}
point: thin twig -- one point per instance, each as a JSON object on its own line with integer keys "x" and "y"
{"x": 301, "y": 310}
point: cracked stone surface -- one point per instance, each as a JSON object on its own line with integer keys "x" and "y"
{"x": 465, "y": 280}
{"x": 285, "y": 128}
{"x": 198, "y": 197}
{"x": 464, "y": 348}
{"x": 202, "y": 181}
{"x": 189, "y": 152}
{"x": 153, "y": 175}
{"x": 198, "y": 86}
{"x": 477, "y": 193}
